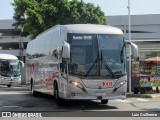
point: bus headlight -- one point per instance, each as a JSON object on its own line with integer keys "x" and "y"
{"x": 119, "y": 84}
{"x": 77, "y": 84}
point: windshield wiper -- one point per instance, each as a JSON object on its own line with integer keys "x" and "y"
{"x": 13, "y": 71}
{"x": 89, "y": 70}
{"x": 107, "y": 66}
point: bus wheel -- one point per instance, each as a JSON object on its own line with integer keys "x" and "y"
{"x": 59, "y": 100}
{"x": 56, "y": 91}
{"x": 104, "y": 101}
{"x": 9, "y": 85}
{"x": 32, "y": 89}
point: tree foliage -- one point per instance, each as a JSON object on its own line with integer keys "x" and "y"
{"x": 43, "y": 14}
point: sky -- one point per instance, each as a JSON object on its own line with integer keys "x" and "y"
{"x": 109, "y": 7}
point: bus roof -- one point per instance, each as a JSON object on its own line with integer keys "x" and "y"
{"x": 8, "y": 57}
{"x": 92, "y": 29}
{"x": 86, "y": 29}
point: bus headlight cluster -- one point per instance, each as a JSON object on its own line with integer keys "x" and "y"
{"x": 119, "y": 84}
{"x": 77, "y": 84}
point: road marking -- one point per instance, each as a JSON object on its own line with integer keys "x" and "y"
{"x": 7, "y": 93}
{"x": 127, "y": 101}
{"x": 10, "y": 106}
{"x": 143, "y": 100}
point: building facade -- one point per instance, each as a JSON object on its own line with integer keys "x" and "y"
{"x": 10, "y": 40}
{"x": 145, "y": 32}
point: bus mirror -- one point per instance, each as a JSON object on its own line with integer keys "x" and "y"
{"x": 134, "y": 49}
{"x": 66, "y": 50}
{"x": 21, "y": 63}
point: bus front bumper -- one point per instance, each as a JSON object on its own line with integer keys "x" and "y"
{"x": 97, "y": 97}
{"x": 96, "y": 94}
{"x": 10, "y": 80}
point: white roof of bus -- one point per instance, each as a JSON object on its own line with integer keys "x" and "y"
{"x": 86, "y": 29}
{"x": 8, "y": 57}
{"x": 92, "y": 29}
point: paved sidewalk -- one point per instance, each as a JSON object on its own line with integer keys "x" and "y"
{"x": 146, "y": 95}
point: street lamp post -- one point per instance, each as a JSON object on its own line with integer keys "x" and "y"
{"x": 23, "y": 73}
{"x": 21, "y": 41}
{"x": 21, "y": 46}
{"x": 23, "y": 17}
{"x": 129, "y": 34}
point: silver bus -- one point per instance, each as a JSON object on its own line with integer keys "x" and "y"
{"x": 79, "y": 62}
{"x": 10, "y": 70}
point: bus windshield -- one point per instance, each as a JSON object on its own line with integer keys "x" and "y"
{"x": 9, "y": 68}
{"x": 97, "y": 55}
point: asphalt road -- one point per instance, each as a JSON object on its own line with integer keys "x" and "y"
{"x": 19, "y": 99}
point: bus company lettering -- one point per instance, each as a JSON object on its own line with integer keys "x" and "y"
{"x": 77, "y": 37}
{"x": 104, "y": 83}
{"x": 82, "y": 37}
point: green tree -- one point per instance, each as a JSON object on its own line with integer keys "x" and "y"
{"x": 43, "y": 14}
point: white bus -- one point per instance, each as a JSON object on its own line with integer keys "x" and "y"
{"x": 79, "y": 62}
{"x": 10, "y": 70}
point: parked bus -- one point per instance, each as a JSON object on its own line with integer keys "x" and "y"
{"x": 10, "y": 70}
{"x": 79, "y": 62}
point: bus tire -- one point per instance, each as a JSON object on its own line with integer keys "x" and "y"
{"x": 56, "y": 95}
{"x": 59, "y": 100}
{"x": 104, "y": 101}
{"x": 8, "y": 85}
{"x": 32, "y": 89}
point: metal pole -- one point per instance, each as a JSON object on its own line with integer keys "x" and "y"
{"x": 21, "y": 49}
{"x": 23, "y": 75}
{"x": 129, "y": 33}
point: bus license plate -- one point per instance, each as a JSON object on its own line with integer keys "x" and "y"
{"x": 100, "y": 94}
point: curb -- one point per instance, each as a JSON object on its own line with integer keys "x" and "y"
{"x": 154, "y": 95}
